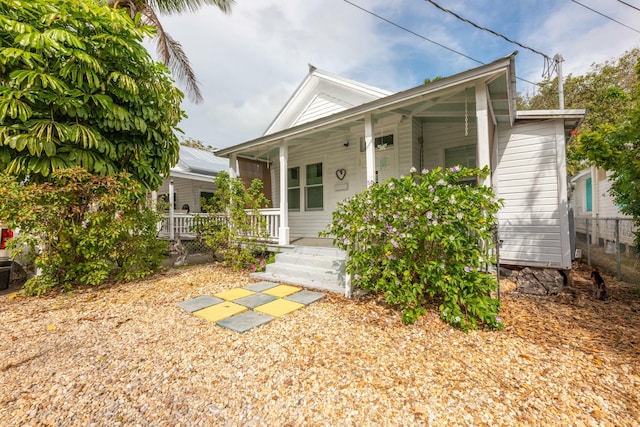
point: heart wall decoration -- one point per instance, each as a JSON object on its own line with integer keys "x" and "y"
{"x": 341, "y": 173}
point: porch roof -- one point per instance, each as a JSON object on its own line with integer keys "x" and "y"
{"x": 443, "y": 99}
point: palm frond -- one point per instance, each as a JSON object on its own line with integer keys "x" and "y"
{"x": 179, "y": 6}
{"x": 172, "y": 55}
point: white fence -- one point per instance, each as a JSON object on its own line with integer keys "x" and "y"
{"x": 185, "y": 225}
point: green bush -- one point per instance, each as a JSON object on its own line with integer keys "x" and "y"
{"x": 424, "y": 237}
{"x": 237, "y": 232}
{"x": 82, "y": 229}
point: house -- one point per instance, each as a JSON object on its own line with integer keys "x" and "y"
{"x": 596, "y": 213}
{"x": 334, "y": 136}
{"x": 190, "y": 181}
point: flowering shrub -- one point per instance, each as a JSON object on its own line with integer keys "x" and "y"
{"x": 424, "y": 237}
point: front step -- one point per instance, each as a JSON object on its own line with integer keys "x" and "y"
{"x": 313, "y": 267}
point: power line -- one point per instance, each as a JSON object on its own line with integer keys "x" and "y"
{"x": 630, "y": 5}
{"x": 606, "y": 16}
{"x": 546, "y": 57}
{"x": 415, "y": 34}
{"x": 427, "y": 39}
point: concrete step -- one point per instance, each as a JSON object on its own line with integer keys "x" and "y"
{"x": 318, "y": 261}
{"x": 314, "y": 267}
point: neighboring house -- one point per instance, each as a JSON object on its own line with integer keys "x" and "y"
{"x": 593, "y": 204}
{"x": 335, "y": 135}
{"x": 190, "y": 181}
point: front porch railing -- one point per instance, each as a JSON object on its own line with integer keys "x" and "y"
{"x": 185, "y": 225}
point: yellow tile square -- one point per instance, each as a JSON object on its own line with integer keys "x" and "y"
{"x": 220, "y": 311}
{"x": 281, "y": 291}
{"x": 278, "y": 307}
{"x": 233, "y": 294}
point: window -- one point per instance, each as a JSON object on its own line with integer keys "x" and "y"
{"x": 379, "y": 143}
{"x": 464, "y": 156}
{"x": 314, "y": 188}
{"x": 163, "y": 201}
{"x": 205, "y": 198}
{"x": 293, "y": 188}
{"x": 589, "y": 195}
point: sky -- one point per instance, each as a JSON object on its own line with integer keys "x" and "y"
{"x": 250, "y": 62}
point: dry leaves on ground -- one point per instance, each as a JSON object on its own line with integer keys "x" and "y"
{"x": 127, "y": 355}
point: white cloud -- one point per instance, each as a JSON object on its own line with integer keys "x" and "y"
{"x": 250, "y": 62}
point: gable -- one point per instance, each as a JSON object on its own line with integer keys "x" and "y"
{"x": 320, "y": 95}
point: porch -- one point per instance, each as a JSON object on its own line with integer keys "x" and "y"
{"x": 185, "y": 225}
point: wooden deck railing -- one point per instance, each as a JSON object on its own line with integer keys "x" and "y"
{"x": 185, "y": 225}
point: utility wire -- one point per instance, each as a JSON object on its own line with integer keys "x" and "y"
{"x": 630, "y": 5}
{"x": 546, "y": 57}
{"x": 415, "y": 34}
{"x": 608, "y": 17}
{"x": 427, "y": 39}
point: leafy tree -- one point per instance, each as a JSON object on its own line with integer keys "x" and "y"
{"x": 169, "y": 50}
{"x": 420, "y": 238}
{"x": 605, "y": 91}
{"x": 82, "y": 229}
{"x": 79, "y": 89}
{"x": 616, "y": 147}
{"x": 236, "y": 231}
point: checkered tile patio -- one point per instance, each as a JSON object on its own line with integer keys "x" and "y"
{"x": 242, "y": 309}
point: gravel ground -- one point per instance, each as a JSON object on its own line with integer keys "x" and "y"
{"x": 127, "y": 355}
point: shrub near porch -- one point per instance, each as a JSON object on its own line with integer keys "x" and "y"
{"x": 423, "y": 237}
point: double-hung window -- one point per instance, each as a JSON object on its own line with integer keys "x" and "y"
{"x": 464, "y": 156}
{"x": 314, "y": 189}
{"x": 293, "y": 188}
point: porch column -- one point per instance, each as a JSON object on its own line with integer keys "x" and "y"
{"x": 483, "y": 150}
{"x": 233, "y": 165}
{"x": 171, "y": 218}
{"x": 370, "y": 149}
{"x": 283, "y": 231}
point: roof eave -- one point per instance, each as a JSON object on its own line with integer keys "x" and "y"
{"x": 388, "y": 102}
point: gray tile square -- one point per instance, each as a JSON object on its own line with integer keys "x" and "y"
{"x": 252, "y": 301}
{"x": 305, "y": 297}
{"x": 260, "y": 286}
{"x": 199, "y": 303}
{"x": 244, "y": 321}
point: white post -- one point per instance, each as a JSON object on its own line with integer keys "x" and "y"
{"x": 233, "y": 166}
{"x": 370, "y": 149}
{"x": 171, "y": 219}
{"x": 483, "y": 151}
{"x": 283, "y": 231}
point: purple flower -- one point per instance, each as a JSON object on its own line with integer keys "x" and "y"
{"x": 391, "y": 257}
{"x": 452, "y": 238}
{"x": 431, "y": 188}
{"x": 346, "y": 241}
{"x": 454, "y": 169}
{"x": 394, "y": 243}
{"x": 413, "y": 169}
{"x": 436, "y": 198}
{"x": 391, "y": 186}
{"x": 468, "y": 269}
{"x": 357, "y": 277}
{"x": 425, "y": 171}
{"x": 429, "y": 214}
{"x": 442, "y": 266}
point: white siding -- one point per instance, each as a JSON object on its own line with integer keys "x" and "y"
{"x": 607, "y": 206}
{"x": 439, "y": 136}
{"x": 322, "y": 105}
{"x": 533, "y": 221}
